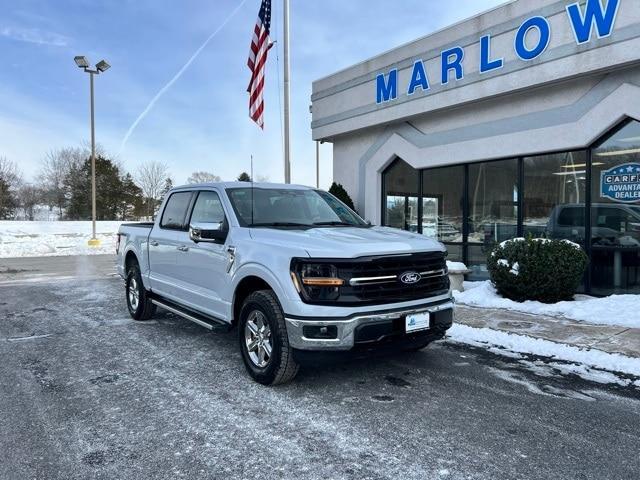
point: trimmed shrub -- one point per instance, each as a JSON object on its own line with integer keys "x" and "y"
{"x": 338, "y": 191}
{"x": 537, "y": 269}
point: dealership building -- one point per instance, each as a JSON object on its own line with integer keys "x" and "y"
{"x": 524, "y": 120}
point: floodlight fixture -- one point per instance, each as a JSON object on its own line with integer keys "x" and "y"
{"x": 81, "y": 61}
{"x": 102, "y": 66}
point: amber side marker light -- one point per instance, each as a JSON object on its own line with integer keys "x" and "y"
{"x": 323, "y": 282}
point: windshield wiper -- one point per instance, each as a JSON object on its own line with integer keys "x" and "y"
{"x": 280, "y": 224}
{"x": 337, "y": 224}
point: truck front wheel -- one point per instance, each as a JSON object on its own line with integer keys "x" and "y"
{"x": 264, "y": 344}
{"x": 138, "y": 301}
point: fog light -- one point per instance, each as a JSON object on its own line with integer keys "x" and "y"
{"x": 329, "y": 332}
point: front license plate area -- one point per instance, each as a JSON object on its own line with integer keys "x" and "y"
{"x": 417, "y": 322}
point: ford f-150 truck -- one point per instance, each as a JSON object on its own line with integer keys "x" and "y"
{"x": 292, "y": 267}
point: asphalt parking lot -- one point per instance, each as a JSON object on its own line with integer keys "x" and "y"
{"x": 85, "y": 392}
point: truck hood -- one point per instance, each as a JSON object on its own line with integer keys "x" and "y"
{"x": 345, "y": 242}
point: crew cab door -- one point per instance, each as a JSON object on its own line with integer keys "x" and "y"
{"x": 164, "y": 241}
{"x": 201, "y": 268}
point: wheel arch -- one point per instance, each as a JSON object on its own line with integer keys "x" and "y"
{"x": 130, "y": 259}
{"x": 245, "y": 287}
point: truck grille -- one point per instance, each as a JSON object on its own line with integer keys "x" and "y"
{"x": 378, "y": 280}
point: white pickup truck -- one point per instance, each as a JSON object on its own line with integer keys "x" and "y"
{"x": 293, "y": 268}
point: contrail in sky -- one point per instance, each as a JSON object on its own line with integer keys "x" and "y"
{"x": 177, "y": 76}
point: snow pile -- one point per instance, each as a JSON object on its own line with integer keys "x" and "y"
{"x": 515, "y": 269}
{"x": 540, "y": 240}
{"x": 482, "y": 337}
{"x": 620, "y": 310}
{"x": 36, "y": 239}
{"x": 456, "y": 266}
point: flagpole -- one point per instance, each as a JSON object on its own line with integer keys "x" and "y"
{"x": 287, "y": 96}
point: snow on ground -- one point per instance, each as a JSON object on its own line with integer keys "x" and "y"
{"x": 36, "y": 239}
{"x": 620, "y": 310}
{"x": 483, "y": 337}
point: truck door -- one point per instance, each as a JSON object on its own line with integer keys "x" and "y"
{"x": 164, "y": 242}
{"x": 201, "y": 268}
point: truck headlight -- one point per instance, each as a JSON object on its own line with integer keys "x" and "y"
{"x": 316, "y": 281}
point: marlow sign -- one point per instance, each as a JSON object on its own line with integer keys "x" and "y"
{"x": 621, "y": 183}
{"x": 583, "y": 20}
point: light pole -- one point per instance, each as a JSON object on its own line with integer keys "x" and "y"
{"x": 101, "y": 66}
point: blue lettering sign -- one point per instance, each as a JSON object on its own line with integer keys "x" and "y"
{"x": 583, "y": 23}
{"x": 387, "y": 90}
{"x": 418, "y": 78}
{"x": 583, "y": 16}
{"x": 543, "y": 27}
{"x": 486, "y": 64}
{"x": 621, "y": 183}
{"x": 452, "y": 60}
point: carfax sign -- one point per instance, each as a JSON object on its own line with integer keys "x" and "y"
{"x": 621, "y": 183}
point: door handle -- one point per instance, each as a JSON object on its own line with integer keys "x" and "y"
{"x": 183, "y": 248}
{"x": 154, "y": 244}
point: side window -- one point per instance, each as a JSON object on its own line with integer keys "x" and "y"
{"x": 571, "y": 217}
{"x": 175, "y": 212}
{"x": 208, "y": 209}
{"x": 611, "y": 218}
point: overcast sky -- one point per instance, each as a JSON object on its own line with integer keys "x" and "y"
{"x": 201, "y": 122}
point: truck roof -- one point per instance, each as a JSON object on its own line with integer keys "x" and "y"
{"x": 243, "y": 185}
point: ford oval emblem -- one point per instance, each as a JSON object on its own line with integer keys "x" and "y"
{"x": 409, "y": 278}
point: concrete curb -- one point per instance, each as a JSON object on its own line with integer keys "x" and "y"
{"x": 606, "y": 338}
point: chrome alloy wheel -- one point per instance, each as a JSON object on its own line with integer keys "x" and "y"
{"x": 134, "y": 294}
{"x": 257, "y": 336}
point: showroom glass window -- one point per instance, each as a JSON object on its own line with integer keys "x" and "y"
{"x": 615, "y": 212}
{"x": 401, "y": 185}
{"x": 493, "y": 209}
{"x": 555, "y": 195}
{"x": 442, "y": 207}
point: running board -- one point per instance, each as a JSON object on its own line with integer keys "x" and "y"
{"x": 202, "y": 320}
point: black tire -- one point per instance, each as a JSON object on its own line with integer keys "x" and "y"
{"x": 280, "y": 367}
{"x": 143, "y": 309}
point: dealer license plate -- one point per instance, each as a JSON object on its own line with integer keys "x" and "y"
{"x": 417, "y": 322}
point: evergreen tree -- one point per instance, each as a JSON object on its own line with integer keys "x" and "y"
{"x": 168, "y": 185}
{"x": 338, "y": 191}
{"x": 8, "y": 202}
{"x": 131, "y": 199}
{"x": 244, "y": 177}
{"x": 116, "y": 196}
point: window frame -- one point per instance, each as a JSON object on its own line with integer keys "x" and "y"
{"x": 225, "y": 220}
{"x": 184, "y": 226}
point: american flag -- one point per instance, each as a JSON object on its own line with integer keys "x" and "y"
{"x": 260, "y": 45}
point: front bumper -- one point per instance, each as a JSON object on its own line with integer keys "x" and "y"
{"x": 368, "y": 329}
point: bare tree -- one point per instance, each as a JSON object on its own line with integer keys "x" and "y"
{"x": 28, "y": 197}
{"x": 55, "y": 171}
{"x": 10, "y": 173}
{"x": 151, "y": 177}
{"x": 203, "y": 177}
{"x": 262, "y": 178}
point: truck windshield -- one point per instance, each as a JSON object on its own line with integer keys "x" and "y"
{"x": 289, "y": 208}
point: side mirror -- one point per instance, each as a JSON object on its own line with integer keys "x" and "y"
{"x": 208, "y": 232}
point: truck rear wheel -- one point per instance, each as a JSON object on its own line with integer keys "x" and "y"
{"x": 138, "y": 301}
{"x": 262, "y": 334}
